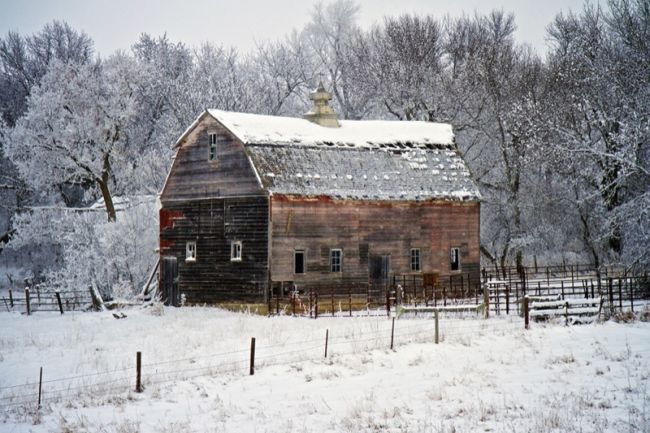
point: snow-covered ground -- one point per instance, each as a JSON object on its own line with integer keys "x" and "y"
{"x": 485, "y": 375}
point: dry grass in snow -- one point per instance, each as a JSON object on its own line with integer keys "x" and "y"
{"x": 484, "y": 375}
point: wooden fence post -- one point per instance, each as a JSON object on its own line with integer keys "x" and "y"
{"x": 368, "y": 299}
{"x": 350, "y": 300}
{"x": 58, "y": 300}
{"x": 388, "y": 303}
{"x": 566, "y": 313}
{"x": 620, "y": 294}
{"x": 311, "y": 307}
{"x": 327, "y": 335}
{"x": 437, "y": 336}
{"x": 40, "y": 386}
{"x": 138, "y": 372}
{"x": 316, "y": 305}
{"x": 415, "y": 290}
{"x": 611, "y": 294}
{"x": 11, "y": 298}
{"x": 293, "y": 303}
{"x": 252, "y": 360}
{"x": 486, "y": 301}
{"x": 630, "y": 286}
{"x": 507, "y": 300}
{"x": 27, "y": 304}
{"x": 392, "y": 334}
{"x": 526, "y": 317}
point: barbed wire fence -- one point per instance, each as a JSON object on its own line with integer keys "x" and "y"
{"x": 29, "y": 397}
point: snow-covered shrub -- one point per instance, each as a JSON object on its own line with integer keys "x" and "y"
{"x": 157, "y": 308}
{"x": 111, "y": 255}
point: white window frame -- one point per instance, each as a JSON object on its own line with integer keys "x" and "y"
{"x": 416, "y": 254}
{"x": 340, "y": 260}
{"x": 190, "y": 251}
{"x": 454, "y": 256}
{"x": 236, "y": 251}
{"x": 213, "y": 139}
{"x": 304, "y": 261}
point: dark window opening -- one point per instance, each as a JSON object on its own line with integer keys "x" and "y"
{"x": 299, "y": 262}
{"x": 235, "y": 251}
{"x": 455, "y": 259}
{"x": 213, "y": 147}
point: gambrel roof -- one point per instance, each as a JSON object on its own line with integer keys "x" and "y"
{"x": 365, "y": 160}
{"x": 373, "y": 134}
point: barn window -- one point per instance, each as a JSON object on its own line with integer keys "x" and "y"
{"x": 455, "y": 259}
{"x": 299, "y": 261}
{"x": 190, "y": 252}
{"x": 415, "y": 259}
{"x": 235, "y": 251}
{"x": 336, "y": 257}
{"x": 213, "y": 146}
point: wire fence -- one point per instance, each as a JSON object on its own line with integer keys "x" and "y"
{"x": 29, "y": 396}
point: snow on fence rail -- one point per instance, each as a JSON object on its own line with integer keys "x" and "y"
{"x": 29, "y": 396}
{"x": 622, "y": 293}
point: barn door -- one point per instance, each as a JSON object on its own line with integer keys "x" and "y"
{"x": 169, "y": 281}
{"x": 379, "y": 270}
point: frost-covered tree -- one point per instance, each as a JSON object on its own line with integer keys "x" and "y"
{"x": 25, "y": 60}
{"x": 76, "y": 128}
{"x": 282, "y": 74}
{"x": 94, "y": 252}
{"x": 402, "y": 61}
{"x": 330, "y": 35}
{"x": 600, "y": 81}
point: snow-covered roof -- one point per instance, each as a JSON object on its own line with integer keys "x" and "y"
{"x": 414, "y": 174}
{"x": 276, "y": 130}
{"x": 364, "y": 160}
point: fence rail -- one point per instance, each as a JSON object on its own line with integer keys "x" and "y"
{"x": 619, "y": 291}
{"x": 36, "y": 299}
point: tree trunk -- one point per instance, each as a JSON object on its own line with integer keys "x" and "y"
{"x": 106, "y": 194}
{"x": 108, "y": 200}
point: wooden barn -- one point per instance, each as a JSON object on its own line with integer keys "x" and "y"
{"x": 253, "y": 200}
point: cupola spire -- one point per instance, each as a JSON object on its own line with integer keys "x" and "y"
{"x": 321, "y": 113}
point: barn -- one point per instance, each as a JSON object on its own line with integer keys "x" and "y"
{"x": 253, "y": 201}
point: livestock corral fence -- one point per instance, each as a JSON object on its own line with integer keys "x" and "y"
{"x": 612, "y": 289}
{"x": 581, "y": 288}
{"x": 37, "y": 298}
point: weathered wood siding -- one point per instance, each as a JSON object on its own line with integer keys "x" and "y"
{"x": 213, "y": 224}
{"x": 194, "y": 176}
{"x": 214, "y": 203}
{"x": 363, "y": 229}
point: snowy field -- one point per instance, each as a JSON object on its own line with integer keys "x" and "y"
{"x": 485, "y": 375}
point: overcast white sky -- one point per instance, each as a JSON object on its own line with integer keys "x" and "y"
{"x": 116, "y": 24}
